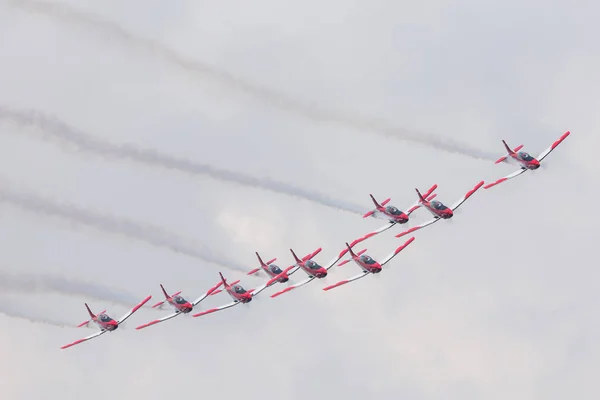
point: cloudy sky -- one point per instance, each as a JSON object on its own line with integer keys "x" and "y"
{"x": 320, "y": 95}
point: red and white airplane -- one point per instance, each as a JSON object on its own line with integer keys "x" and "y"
{"x": 312, "y": 268}
{"x": 438, "y": 209}
{"x": 239, "y": 294}
{"x": 104, "y": 322}
{"x": 392, "y": 213}
{"x": 367, "y": 263}
{"x": 179, "y": 303}
{"x": 523, "y": 159}
{"x": 271, "y": 269}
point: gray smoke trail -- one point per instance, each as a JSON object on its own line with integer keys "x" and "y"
{"x": 65, "y": 133}
{"x": 152, "y": 235}
{"x": 41, "y": 283}
{"x": 10, "y": 310}
{"x": 314, "y": 112}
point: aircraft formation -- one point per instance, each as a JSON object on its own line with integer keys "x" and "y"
{"x": 312, "y": 269}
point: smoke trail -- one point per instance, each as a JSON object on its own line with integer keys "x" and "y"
{"x": 11, "y": 311}
{"x": 60, "y": 130}
{"x": 39, "y": 283}
{"x": 146, "y": 233}
{"x": 313, "y": 112}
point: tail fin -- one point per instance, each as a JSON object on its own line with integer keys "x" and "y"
{"x": 260, "y": 259}
{"x": 508, "y": 149}
{"x": 377, "y": 206}
{"x": 89, "y": 311}
{"x": 375, "y": 201}
{"x": 350, "y": 250}
{"x": 298, "y": 261}
{"x": 164, "y": 291}
{"x": 223, "y": 280}
{"x": 421, "y": 198}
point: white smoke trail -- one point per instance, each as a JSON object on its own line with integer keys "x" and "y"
{"x": 66, "y": 14}
{"x": 12, "y": 311}
{"x": 44, "y": 283}
{"x": 152, "y": 235}
{"x": 83, "y": 141}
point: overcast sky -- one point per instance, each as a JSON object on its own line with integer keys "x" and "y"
{"x": 500, "y": 302}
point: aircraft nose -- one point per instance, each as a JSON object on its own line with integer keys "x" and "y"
{"x": 284, "y": 279}
{"x": 323, "y": 273}
{"x": 449, "y": 214}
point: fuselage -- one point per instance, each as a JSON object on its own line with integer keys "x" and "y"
{"x": 105, "y": 322}
{"x": 438, "y": 209}
{"x": 238, "y": 293}
{"x": 366, "y": 263}
{"x": 273, "y": 270}
{"x": 313, "y": 269}
{"x": 180, "y": 304}
{"x": 525, "y": 160}
{"x": 394, "y": 214}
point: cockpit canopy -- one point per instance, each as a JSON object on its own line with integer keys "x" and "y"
{"x": 312, "y": 265}
{"x": 393, "y": 210}
{"x": 367, "y": 259}
{"x": 238, "y": 289}
{"x": 275, "y": 269}
{"x": 438, "y": 205}
{"x": 525, "y": 156}
{"x": 179, "y": 300}
{"x": 104, "y": 318}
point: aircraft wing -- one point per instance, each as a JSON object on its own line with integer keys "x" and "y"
{"x": 466, "y": 196}
{"x": 549, "y": 149}
{"x": 382, "y": 229}
{"x": 134, "y": 309}
{"x": 339, "y": 256}
{"x": 84, "y": 339}
{"x": 212, "y": 310}
{"x": 507, "y": 177}
{"x": 398, "y": 250}
{"x": 340, "y": 283}
{"x": 156, "y": 321}
{"x": 311, "y": 255}
{"x": 297, "y": 285}
{"x": 208, "y": 293}
{"x": 416, "y": 228}
{"x": 271, "y": 281}
{"x": 292, "y": 269}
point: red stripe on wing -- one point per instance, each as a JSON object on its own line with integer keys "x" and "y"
{"x": 495, "y": 183}
{"x": 340, "y": 283}
{"x": 212, "y": 310}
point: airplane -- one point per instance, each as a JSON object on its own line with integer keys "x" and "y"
{"x": 239, "y": 294}
{"x": 312, "y": 268}
{"x": 523, "y": 159}
{"x": 271, "y": 269}
{"x": 367, "y": 263}
{"x": 438, "y": 209}
{"x": 180, "y": 304}
{"x": 104, "y": 322}
{"x": 392, "y": 213}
